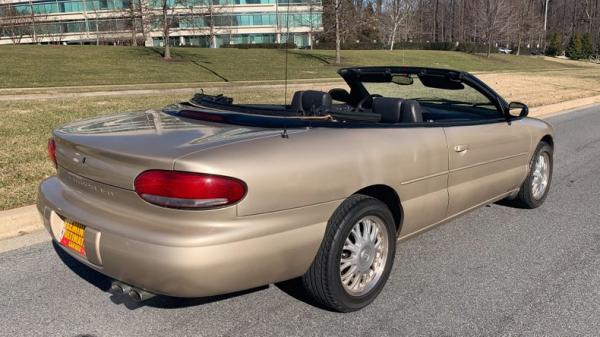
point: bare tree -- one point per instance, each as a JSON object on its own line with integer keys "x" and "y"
{"x": 208, "y": 13}
{"x": 96, "y": 21}
{"x": 32, "y": 22}
{"x": 18, "y": 24}
{"x": 166, "y": 27}
{"x": 133, "y": 13}
{"x": 53, "y": 32}
{"x": 169, "y": 20}
{"x": 14, "y": 23}
{"x": 397, "y": 12}
{"x": 146, "y": 19}
{"x": 527, "y": 22}
{"x": 492, "y": 19}
{"x": 312, "y": 20}
{"x": 337, "y": 8}
{"x": 172, "y": 13}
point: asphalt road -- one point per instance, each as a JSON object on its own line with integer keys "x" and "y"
{"x": 498, "y": 271}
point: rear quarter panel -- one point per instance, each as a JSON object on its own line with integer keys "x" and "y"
{"x": 315, "y": 166}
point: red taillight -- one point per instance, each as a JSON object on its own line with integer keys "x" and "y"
{"x": 188, "y": 190}
{"x": 52, "y": 151}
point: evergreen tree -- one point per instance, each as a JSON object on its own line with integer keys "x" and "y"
{"x": 574, "y": 50}
{"x": 555, "y": 46}
{"x": 587, "y": 45}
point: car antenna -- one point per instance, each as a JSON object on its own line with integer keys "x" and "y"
{"x": 284, "y": 133}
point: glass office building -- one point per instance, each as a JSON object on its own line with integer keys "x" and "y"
{"x": 204, "y": 23}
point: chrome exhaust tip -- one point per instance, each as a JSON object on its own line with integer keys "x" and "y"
{"x": 139, "y": 295}
{"x": 118, "y": 288}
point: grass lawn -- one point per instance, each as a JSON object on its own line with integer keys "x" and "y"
{"x": 47, "y": 66}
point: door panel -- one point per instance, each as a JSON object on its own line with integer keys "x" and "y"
{"x": 484, "y": 162}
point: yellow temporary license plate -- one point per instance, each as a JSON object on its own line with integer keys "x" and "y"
{"x": 72, "y": 236}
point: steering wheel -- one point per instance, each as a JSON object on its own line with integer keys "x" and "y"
{"x": 361, "y": 104}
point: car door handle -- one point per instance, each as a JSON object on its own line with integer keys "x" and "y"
{"x": 461, "y": 148}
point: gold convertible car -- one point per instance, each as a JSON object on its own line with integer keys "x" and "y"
{"x": 209, "y": 197}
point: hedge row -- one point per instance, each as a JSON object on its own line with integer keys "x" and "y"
{"x": 289, "y": 45}
{"x": 451, "y": 46}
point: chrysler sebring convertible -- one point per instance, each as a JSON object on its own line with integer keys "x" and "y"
{"x": 208, "y": 196}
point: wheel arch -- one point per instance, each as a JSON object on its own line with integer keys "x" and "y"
{"x": 389, "y": 197}
{"x": 548, "y": 139}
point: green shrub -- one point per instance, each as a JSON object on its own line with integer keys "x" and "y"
{"x": 587, "y": 45}
{"x": 474, "y": 48}
{"x": 290, "y": 45}
{"x": 574, "y": 50}
{"x": 351, "y": 46}
{"x": 555, "y": 46}
{"x": 404, "y": 45}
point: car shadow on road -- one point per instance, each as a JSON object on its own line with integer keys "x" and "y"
{"x": 168, "y": 302}
{"x": 295, "y": 289}
{"x": 95, "y": 278}
{"x": 510, "y": 203}
{"x": 103, "y": 283}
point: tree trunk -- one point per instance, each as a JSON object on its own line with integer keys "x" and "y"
{"x": 489, "y": 49}
{"x": 133, "y": 29}
{"x": 453, "y": 16}
{"x": 519, "y": 38}
{"x": 435, "y": 16}
{"x": 421, "y": 20}
{"x": 337, "y": 34}
{"x": 393, "y": 37}
{"x": 213, "y": 39}
{"x": 133, "y": 35}
{"x": 167, "y": 54}
{"x": 97, "y": 33}
{"x": 142, "y": 22}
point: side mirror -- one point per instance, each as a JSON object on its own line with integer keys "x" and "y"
{"x": 340, "y": 95}
{"x": 523, "y": 109}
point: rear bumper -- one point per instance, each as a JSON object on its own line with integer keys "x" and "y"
{"x": 183, "y": 257}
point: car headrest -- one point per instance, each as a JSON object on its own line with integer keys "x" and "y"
{"x": 297, "y": 101}
{"x": 313, "y": 100}
{"x": 411, "y": 112}
{"x": 388, "y": 107}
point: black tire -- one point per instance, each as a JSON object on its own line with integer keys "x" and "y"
{"x": 323, "y": 281}
{"x": 525, "y": 198}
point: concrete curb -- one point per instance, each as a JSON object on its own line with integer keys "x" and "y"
{"x": 19, "y": 221}
{"x": 23, "y": 220}
{"x": 550, "y": 110}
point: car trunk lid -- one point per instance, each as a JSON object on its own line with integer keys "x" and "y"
{"x": 115, "y": 149}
